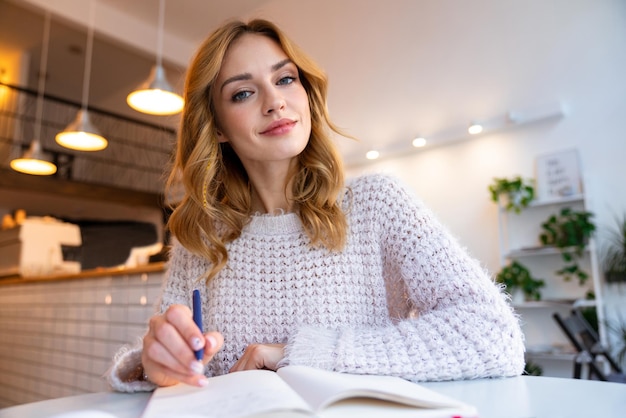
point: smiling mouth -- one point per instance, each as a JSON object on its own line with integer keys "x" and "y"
{"x": 279, "y": 128}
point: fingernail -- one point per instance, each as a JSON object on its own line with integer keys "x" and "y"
{"x": 197, "y": 367}
{"x": 196, "y": 343}
{"x": 212, "y": 341}
{"x": 203, "y": 382}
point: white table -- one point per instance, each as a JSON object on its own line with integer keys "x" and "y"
{"x": 518, "y": 397}
{"x": 539, "y": 397}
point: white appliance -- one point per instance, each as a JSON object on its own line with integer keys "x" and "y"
{"x": 37, "y": 246}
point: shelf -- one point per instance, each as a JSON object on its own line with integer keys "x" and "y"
{"x": 577, "y": 198}
{"x": 519, "y": 240}
{"x": 538, "y": 251}
{"x": 532, "y": 252}
{"x": 44, "y": 188}
{"x": 557, "y": 201}
{"x": 551, "y": 355}
{"x": 550, "y": 303}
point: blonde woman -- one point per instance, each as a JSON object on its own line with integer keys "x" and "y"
{"x": 294, "y": 265}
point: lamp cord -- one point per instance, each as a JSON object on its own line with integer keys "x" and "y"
{"x": 88, "y": 54}
{"x": 160, "y": 31}
{"x": 43, "y": 66}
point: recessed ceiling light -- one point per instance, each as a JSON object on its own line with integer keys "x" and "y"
{"x": 372, "y": 154}
{"x": 419, "y": 142}
{"x": 475, "y": 128}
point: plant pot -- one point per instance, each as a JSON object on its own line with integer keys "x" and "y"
{"x": 515, "y": 198}
{"x": 518, "y": 297}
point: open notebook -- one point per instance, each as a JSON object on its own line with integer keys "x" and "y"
{"x": 303, "y": 391}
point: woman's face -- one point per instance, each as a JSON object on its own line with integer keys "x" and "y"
{"x": 261, "y": 106}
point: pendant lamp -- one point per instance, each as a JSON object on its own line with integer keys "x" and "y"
{"x": 81, "y": 134}
{"x": 33, "y": 161}
{"x": 156, "y": 96}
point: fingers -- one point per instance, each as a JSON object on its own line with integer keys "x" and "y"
{"x": 181, "y": 318}
{"x": 168, "y": 348}
{"x": 213, "y": 343}
{"x": 260, "y": 356}
{"x": 163, "y": 376}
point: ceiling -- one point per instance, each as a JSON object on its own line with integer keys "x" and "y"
{"x": 21, "y": 29}
{"x": 191, "y": 20}
{"x": 397, "y": 68}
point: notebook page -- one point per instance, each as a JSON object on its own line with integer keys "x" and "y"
{"x": 232, "y": 395}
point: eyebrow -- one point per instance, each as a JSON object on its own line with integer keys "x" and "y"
{"x": 248, "y": 76}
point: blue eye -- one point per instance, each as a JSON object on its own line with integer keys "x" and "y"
{"x": 241, "y": 96}
{"x": 286, "y": 80}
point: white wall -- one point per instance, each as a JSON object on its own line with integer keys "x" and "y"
{"x": 574, "y": 51}
{"x": 523, "y": 53}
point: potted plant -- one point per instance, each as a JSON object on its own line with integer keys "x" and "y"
{"x": 569, "y": 231}
{"x": 516, "y": 192}
{"x": 613, "y": 256}
{"x": 517, "y": 278}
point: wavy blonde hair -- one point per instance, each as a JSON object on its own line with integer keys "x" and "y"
{"x": 217, "y": 200}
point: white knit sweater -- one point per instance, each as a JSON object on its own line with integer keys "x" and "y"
{"x": 402, "y": 298}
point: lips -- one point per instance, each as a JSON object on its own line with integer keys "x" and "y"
{"x": 279, "y": 127}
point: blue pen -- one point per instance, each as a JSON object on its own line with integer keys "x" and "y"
{"x": 197, "y": 318}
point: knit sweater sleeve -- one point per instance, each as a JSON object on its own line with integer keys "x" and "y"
{"x": 459, "y": 325}
{"x": 123, "y": 374}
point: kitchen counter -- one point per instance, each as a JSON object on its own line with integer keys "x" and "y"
{"x": 93, "y": 273}
{"x": 60, "y": 332}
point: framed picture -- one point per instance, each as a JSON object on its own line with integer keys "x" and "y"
{"x": 558, "y": 175}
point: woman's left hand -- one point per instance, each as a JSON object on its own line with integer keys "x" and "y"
{"x": 260, "y": 356}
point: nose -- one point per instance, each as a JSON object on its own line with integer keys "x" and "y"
{"x": 274, "y": 101}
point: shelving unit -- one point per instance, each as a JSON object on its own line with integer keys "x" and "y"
{"x": 519, "y": 234}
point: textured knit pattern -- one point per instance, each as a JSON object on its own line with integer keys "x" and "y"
{"x": 403, "y": 298}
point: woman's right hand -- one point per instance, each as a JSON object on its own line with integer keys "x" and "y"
{"x": 168, "y": 348}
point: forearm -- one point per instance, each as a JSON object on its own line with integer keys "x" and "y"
{"x": 433, "y": 347}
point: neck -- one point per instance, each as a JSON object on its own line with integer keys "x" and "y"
{"x": 271, "y": 195}
{"x": 271, "y": 192}
{"x": 270, "y": 201}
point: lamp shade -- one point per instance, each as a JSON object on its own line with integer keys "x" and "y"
{"x": 156, "y": 96}
{"x": 33, "y": 161}
{"x": 81, "y": 134}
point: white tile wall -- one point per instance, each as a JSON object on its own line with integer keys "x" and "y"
{"x": 57, "y": 338}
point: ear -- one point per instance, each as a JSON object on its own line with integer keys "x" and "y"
{"x": 221, "y": 138}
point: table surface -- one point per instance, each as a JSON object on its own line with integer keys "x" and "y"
{"x": 517, "y": 397}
